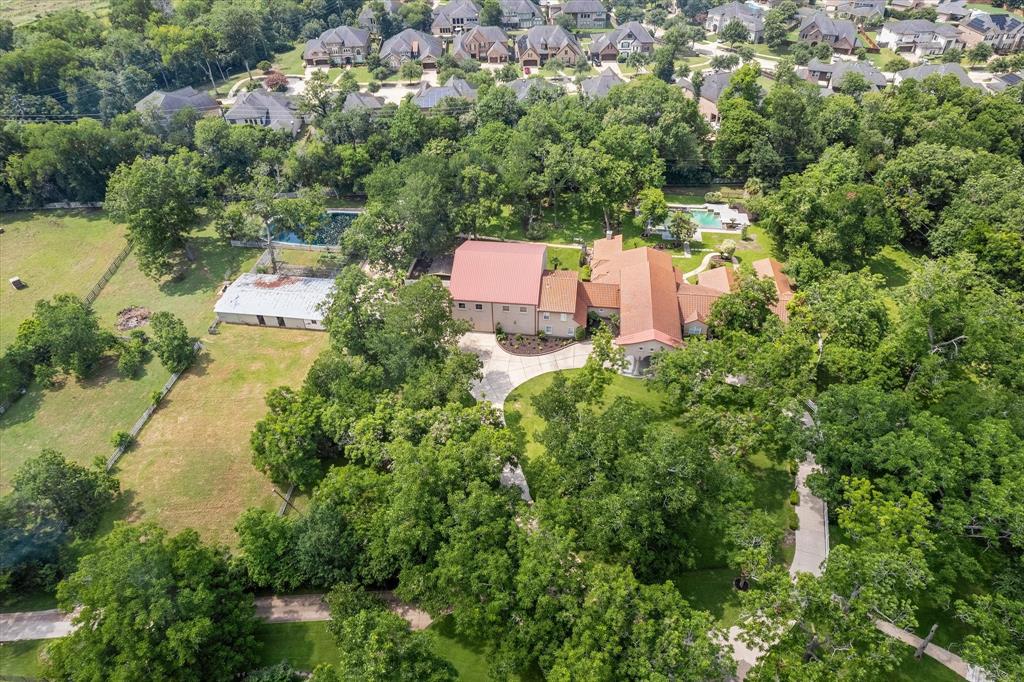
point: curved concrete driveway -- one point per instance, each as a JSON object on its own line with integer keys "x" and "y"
{"x": 503, "y": 371}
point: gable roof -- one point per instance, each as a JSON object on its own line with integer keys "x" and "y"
{"x": 695, "y": 302}
{"x": 346, "y": 35}
{"x": 558, "y": 291}
{"x": 924, "y": 70}
{"x": 524, "y": 86}
{"x": 600, "y": 294}
{"x": 362, "y": 100}
{"x": 915, "y": 26}
{"x": 454, "y": 9}
{"x": 985, "y": 23}
{"x": 748, "y": 15}
{"x": 649, "y": 306}
{"x": 714, "y": 84}
{"x": 842, "y": 28}
{"x": 769, "y": 268}
{"x": 520, "y": 7}
{"x": 583, "y": 7}
{"x": 367, "y": 13}
{"x": 547, "y": 38}
{"x": 722, "y": 279}
{"x": 639, "y": 32}
{"x": 841, "y": 68}
{"x": 498, "y": 272}
{"x": 599, "y": 86}
{"x": 171, "y": 102}
{"x": 276, "y": 295}
{"x": 277, "y": 109}
{"x": 403, "y": 42}
{"x": 429, "y": 96}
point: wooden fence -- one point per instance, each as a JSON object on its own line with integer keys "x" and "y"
{"x": 111, "y": 269}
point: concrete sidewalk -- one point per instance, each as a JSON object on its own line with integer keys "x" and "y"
{"x": 811, "y": 542}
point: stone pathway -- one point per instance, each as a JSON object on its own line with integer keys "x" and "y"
{"x": 503, "y": 371}
{"x": 704, "y": 265}
{"x": 811, "y": 544}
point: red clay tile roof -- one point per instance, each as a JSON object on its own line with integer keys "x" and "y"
{"x": 558, "y": 291}
{"x": 695, "y": 302}
{"x": 650, "y": 309}
{"x": 604, "y": 262}
{"x": 580, "y": 314}
{"x": 772, "y": 269}
{"x": 600, "y": 294}
{"x": 498, "y": 272}
{"x": 721, "y": 279}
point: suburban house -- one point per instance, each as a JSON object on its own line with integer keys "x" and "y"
{"x": 428, "y": 96}
{"x": 750, "y": 16}
{"x": 362, "y": 101}
{"x": 524, "y": 86}
{"x": 337, "y": 46}
{"x": 520, "y": 14}
{"x": 586, "y": 13}
{"x": 1003, "y": 32}
{"x": 367, "y": 18}
{"x": 951, "y": 11}
{"x": 628, "y": 38}
{"x": 841, "y": 34}
{"x": 411, "y": 45}
{"x": 275, "y": 301}
{"x": 542, "y": 43}
{"x": 710, "y": 90}
{"x": 924, "y": 70}
{"x": 483, "y": 43}
{"x": 831, "y": 75}
{"x": 167, "y": 104}
{"x": 859, "y": 11}
{"x": 597, "y": 87}
{"x": 454, "y": 17}
{"x": 273, "y": 110}
{"x": 920, "y": 37}
{"x": 1002, "y": 81}
{"x": 503, "y": 285}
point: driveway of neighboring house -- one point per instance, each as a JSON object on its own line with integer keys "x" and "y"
{"x": 503, "y": 371}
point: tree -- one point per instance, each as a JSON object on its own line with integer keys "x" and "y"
{"x": 267, "y": 549}
{"x": 157, "y": 198}
{"x": 289, "y": 443}
{"x": 980, "y": 53}
{"x": 897, "y": 63}
{"x": 742, "y": 147}
{"x": 651, "y": 207}
{"x": 682, "y": 226}
{"x": 853, "y": 84}
{"x": 994, "y": 646}
{"x": 152, "y": 606}
{"x": 376, "y": 645}
{"x": 490, "y": 13}
{"x": 734, "y": 32}
{"x": 63, "y": 334}
{"x": 78, "y": 496}
{"x": 411, "y": 71}
{"x": 748, "y": 309}
{"x": 774, "y": 30}
{"x": 724, "y": 62}
{"x": 171, "y": 342}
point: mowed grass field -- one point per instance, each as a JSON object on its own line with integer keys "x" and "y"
{"x": 79, "y": 417}
{"x": 192, "y": 464}
{"x": 25, "y": 11}
{"x": 53, "y": 252}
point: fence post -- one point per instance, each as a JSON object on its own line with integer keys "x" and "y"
{"x": 108, "y": 273}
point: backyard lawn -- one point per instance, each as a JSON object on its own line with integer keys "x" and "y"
{"x": 758, "y": 245}
{"x": 21, "y": 659}
{"x": 53, "y": 252}
{"x": 563, "y": 258}
{"x": 26, "y": 11}
{"x": 191, "y": 466}
{"x": 78, "y": 418}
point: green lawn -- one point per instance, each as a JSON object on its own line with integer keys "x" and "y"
{"x": 192, "y": 464}
{"x": 711, "y": 590}
{"x": 758, "y": 245}
{"x": 78, "y": 418}
{"x": 895, "y": 264}
{"x": 306, "y": 645}
{"x": 53, "y": 252}
{"x": 925, "y": 670}
{"x": 985, "y": 7}
{"x": 22, "y": 12}
{"x": 21, "y": 659}
{"x": 563, "y": 258}
{"x": 882, "y": 57}
{"x": 290, "y": 62}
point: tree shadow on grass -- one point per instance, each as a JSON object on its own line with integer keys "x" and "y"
{"x": 216, "y": 261}
{"x": 895, "y": 274}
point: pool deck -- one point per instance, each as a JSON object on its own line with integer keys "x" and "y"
{"x": 725, "y": 215}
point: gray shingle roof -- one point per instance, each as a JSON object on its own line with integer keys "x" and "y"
{"x": 346, "y": 36}
{"x": 831, "y": 27}
{"x": 546, "y": 38}
{"x": 994, "y": 24}
{"x": 168, "y": 103}
{"x": 924, "y": 70}
{"x": 583, "y": 7}
{"x": 366, "y": 13}
{"x": 714, "y": 84}
{"x": 274, "y": 109}
{"x": 524, "y": 86}
{"x": 914, "y": 26}
{"x": 841, "y": 68}
{"x": 362, "y": 100}
{"x": 402, "y": 43}
{"x": 599, "y": 86}
{"x": 748, "y": 14}
{"x": 616, "y": 34}
{"x": 428, "y": 96}
{"x": 520, "y": 7}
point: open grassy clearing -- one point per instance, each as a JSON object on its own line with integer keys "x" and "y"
{"x": 756, "y": 246}
{"x": 559, "y": 258}
{"x": 306, "y": 645}
{"x": 22, "y": 12}
{"x": 78, "y": 418}
{"x": 22, "y": 659}
{"x": 191, "y": 466}
{"x": 53, "y": 252}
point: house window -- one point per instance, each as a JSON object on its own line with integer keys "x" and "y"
{"x": 504, "y": 308}
{"x": 462, "y": 306}
{"x": 522, "y": 308}
{"x": 479, "y": 306}
{"x": 564, "y": 317}
{"x": 547, "y": 328}
{"x": 547, "y": 316}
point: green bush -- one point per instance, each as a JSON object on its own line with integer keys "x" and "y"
{"x": 541, "y": 335}
{"x": 794, "y": 498}
{"x": 121, "y": 439}
{"x": 794, "y": 520}
{"x": 580, "y": 333}
{"x": 156, "y": 396}
{"x": 713, "y": 197}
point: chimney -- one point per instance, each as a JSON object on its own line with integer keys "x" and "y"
{"x": 415, "y": 48}
{"x": 608, "y": 234}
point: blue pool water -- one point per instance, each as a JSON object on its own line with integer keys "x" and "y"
{"x": 329, "y": 233}
{"x": 705, "y": 218}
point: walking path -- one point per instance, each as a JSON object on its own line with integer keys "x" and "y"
{"x": 811, "y": 543}
{"x": 296, "y": 608}
{"x": 503, "y": 371}
{"x": 704, "y": 265}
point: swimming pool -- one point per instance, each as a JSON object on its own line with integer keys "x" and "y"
{"x": 329, "y": 233}
{"x": 705, "y": 218}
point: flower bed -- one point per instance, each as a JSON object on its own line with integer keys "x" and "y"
{"x": 524, "y": 344}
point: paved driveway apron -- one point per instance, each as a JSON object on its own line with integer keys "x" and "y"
{"x": 503, "y": 371}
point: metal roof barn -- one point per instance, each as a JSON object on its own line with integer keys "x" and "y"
{"x": 275, "y": 301}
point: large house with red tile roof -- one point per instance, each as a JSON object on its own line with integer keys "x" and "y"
{"x": 503, "y": 285}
